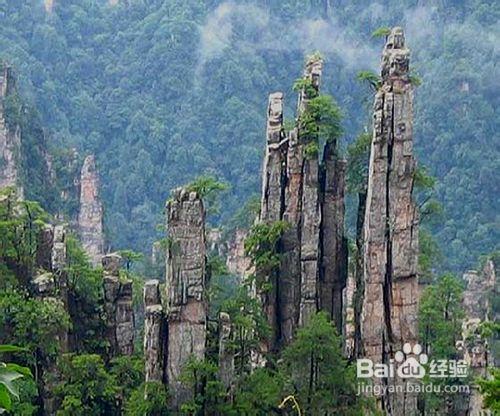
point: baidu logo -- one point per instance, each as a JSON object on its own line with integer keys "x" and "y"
{"x": 408, "y": 363}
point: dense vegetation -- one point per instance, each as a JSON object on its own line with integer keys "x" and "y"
{"x": 162, "y": 91}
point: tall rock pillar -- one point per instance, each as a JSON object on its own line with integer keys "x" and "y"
{"x": 273, "y": 184}
{"x": 186, "y": 286}
{"x": 154, "y": 332}
{"x": 91, "y": 211}
{"x": 478, "y": 309}
{"x": 334, "y": 253}
{"x": 310, "y": 218}
{"x": 118, "y": 307}
{"x": 389, "y": 315}
{"x": 10, "y": 137}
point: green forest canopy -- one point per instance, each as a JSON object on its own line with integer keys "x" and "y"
{"x": 163, "y": 91}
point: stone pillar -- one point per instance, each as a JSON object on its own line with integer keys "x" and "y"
{"x": 310, "y": 204}
{"x": 50, "y": 285}
{"x": 154, "y": 332}
{"x": 238, "y": 263}
{"x": 91, "y": 212}
{"x": 334, "y": 253}
{"x": 10, "y": 138}
{"x": 186, "y": 286}
{"x": 273, "y": 183}
{"x": 390, "y": 305}
{"x": 475, "y": 348}
{"x": 226, "y": 354}
{"x": 118, "y": 307}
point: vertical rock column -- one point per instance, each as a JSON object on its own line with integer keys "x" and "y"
{"x": 91, "y": 211}
{"x": 186, "y": 285}
{"x": 477, "y": 308}
{"x": 154, "y": 332}
{"x": 310, "y": 205}
{"x": 10, "y": 137}
{"x": 50, "y": 285}
{"x": 389, "y": 315}
{"x": 118, "y": 307}
{"x": 333, "y": 272}
{"x": 274, "y": 172}
{"x": 226, "y": 355}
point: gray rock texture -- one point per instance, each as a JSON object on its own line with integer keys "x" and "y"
{"x": 91, "y": 212}
{"x": 390, "y": 303}
{"x": 186, "y": 287}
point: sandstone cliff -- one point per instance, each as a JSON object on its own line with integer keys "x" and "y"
{"x": 308, "y": 195}
{"x": 187, "y": 307}
{"x": 91, "y": 212}
{"x": 10, "y": 137}
{"x": 390, "y": 303}
{"x": 118, "y": 308}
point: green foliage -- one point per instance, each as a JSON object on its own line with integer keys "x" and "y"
{"x": 20, "y": 223}
{"x": 358, "y": 158}
{"x": 305, "y": 85}
{"x": 261, "y": 244}
{"x": 200, "y": 376}
{"x": 9, "y": 373}
{"x": 130, "y": 257}
{"x": 440, "y": 316}
{"x": 319, "y": 377}
{"x": 86, "y": 387}
{"x": 86, "y": 286}
{"x": 429, "y": 256}
{"x": 149, "y": 399}
{"x": 311, "y": 150}
{"x": 321, "y": 119}
{"x": 259, "y": 393}
{"x": 208, "y": 188}
{"x": 370, "y": 78}
{"x": 380, "y": 32}
{"x": 249, "y": 325}
{"x": 32, "y": 323}
{"x": 244, "y": 217}
{"x": 490, "y": 388}
{"x": 129, "y": 373}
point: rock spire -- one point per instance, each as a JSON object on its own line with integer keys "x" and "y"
{"x": 390, "y": 302}
{"x": 91, "y": 212}
{"x": 187, "y": 307}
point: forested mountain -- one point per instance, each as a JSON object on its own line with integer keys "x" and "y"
{"x": 162, "y": 91}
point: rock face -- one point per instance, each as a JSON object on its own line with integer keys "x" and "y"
{"x": 334, "y": 251}
{"x": 10, "y": 137}
{"x": 309, "y": 197}
{"x": 237, "y": 262}
{"x": 272, "y": 204}
{"x": 390, "y": 303}
{"x": 51, "y": 285}
{"x": 154, "y": 332}
{"x": 475, "y": 348}
{"x": 226, "y": 355}
{"x": 186, "y": 285}
{"x": 118, "y": 308}
{"x": 91, "y": 211}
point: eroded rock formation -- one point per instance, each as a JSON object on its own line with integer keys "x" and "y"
{"x": 226, "y": 354}
{"x": 50, "y": 284}
{"x": 186, "y": 284}
{"x": 309, "y": 197}
{"x": 237, "y": 262}
{"x": 91, "y": 212}
{"x": 154, "y": 332}
{"x": 10, "y": 137}
{"x": 390, "y": 303}
{"x": 118, "y": 308}
{"x": 475, "y": 348}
